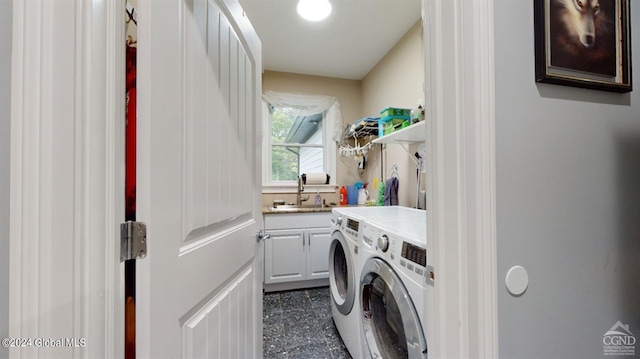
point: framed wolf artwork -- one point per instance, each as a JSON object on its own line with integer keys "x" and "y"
{"x": 583, "y": 43}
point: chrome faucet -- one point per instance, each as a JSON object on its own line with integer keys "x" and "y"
{"x": 299, "y": 198}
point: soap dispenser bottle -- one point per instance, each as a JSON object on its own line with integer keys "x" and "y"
{"x": 318, "y": 199}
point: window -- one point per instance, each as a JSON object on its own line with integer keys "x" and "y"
{"x": 297, "y": 138}
{"x": 296, "y": 144}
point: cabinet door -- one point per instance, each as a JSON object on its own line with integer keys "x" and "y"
{"x": 284, "y": 259}
{"x": 318, "y": 253}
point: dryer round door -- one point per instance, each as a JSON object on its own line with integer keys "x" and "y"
{"x": 390, "y": 321}
{"x": 341, "y": 274}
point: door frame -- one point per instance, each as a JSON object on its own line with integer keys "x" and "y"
{"x": 67, "y": 175}
{"x": 461, "y": 187}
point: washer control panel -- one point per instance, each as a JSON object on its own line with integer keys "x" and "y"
{"x": 415, "y": 254}
{"x": 347, "y": 225}
{"x": 411, "y": 258}
{"x": 383, "y": 243}
{"x": 351, "y": 227}
{"x": 336, "y": 220}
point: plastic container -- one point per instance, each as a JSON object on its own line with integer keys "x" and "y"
{"x": 390, "y": 124}
{"x": 417, "y": 115}
{"x": 318, "y": 199}
{"x": 395, "y": 112}
{"x": 352, "y": 194}
{"x": 343, "y": 196}
{"x": 363, "y": 196}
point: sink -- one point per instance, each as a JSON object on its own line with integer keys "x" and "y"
{"x": 294, "y": 207}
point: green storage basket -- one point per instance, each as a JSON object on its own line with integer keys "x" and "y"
{"x": 395, "y": 112}
{"x": 390, "y": 124}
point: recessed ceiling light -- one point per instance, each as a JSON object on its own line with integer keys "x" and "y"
{"x": 314, "y": 10}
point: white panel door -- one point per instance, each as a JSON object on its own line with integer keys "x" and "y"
{"x": 199, "y": 88}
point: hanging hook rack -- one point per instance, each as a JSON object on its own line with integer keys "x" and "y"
{"x": 356, "y": 134}
{"x": 394, "y": 171}
{"x": 357, "y": 150}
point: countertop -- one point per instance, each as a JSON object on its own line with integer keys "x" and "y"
{"x": 304, "y": 209}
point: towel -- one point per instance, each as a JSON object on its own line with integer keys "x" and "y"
{"x": 315, "y": 178}
{"x": 381, "y": 190}
{"x": 391, "y": 192}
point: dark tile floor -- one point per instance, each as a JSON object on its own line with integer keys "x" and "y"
{"x": 298, "y": 324}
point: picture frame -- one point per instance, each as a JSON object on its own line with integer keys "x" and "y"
{"x": 583, "y": 43}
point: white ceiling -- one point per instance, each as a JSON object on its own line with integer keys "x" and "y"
{"x": 348, "y": 44}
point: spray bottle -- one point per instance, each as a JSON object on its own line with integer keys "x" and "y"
{"x": 417, "y": 114}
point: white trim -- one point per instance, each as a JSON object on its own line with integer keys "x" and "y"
{"x": 114, "y": 78}
{"x": 328, "y": 144}
{"x": 485, "y": 212}
{"x": 459, "y": 80}
{"x": 330, "y": 153}
{"x": 19, "y": 107}
{"x": 67, "y": 159}
{"x": 143, "y": 144}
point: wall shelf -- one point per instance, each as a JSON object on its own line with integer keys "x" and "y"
{"x": 411, "y": 134}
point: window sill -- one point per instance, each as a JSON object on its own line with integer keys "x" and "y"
{"x": 293, "y": 188}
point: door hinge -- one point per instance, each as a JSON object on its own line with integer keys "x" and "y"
{"x": 133, "y": 240}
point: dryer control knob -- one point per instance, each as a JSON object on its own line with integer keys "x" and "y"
{"x": 383, "y": 243}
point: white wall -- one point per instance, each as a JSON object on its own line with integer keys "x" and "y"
{"x": 568, "y": 201}
{"x": 396, "y": 81}
{"x": 5, "y": 129}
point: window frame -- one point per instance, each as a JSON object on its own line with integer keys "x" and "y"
{"x": 329, "y": 157}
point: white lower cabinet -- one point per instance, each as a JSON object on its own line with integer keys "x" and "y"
{"x": 318, "y": 253}
{"x": 297, "y": 254}
{"x": 284, "y": 256}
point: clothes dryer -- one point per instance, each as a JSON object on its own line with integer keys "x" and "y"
{"x": 393, "y": 285}
{"x": 345, "y": 265}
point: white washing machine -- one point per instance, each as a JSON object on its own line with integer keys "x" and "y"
{"x": 393, "y": 282}
{"x": 346, "y": 227}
